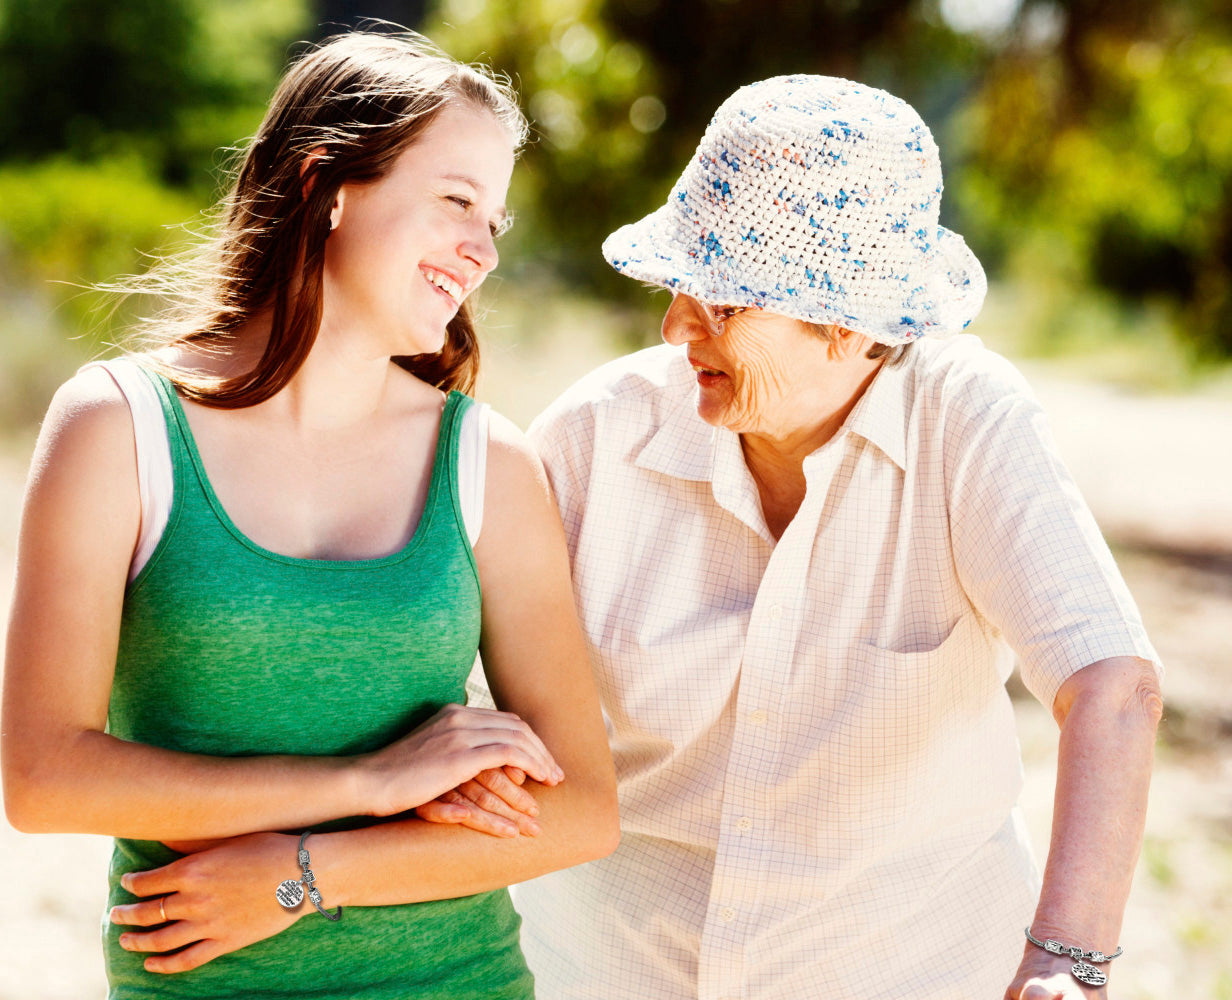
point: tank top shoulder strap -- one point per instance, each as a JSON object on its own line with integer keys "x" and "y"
{"x": 445, "y": 500}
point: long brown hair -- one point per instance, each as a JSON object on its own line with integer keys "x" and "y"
{"x": 347, "y": 109}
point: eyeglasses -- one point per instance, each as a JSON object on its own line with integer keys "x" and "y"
{"x": 717, "y": 316}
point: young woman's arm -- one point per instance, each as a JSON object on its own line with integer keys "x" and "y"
{"x": 61, "y": 769}
{"x": 222, "y": 898}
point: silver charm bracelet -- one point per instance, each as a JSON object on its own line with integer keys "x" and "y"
{"x": 291, "y": 892}
{"x": 1081, "y": 969}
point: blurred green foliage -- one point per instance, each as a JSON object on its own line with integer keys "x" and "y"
{"x": 79, "y": 221}
{"x": 66, "y": 224}
{"x": 169, "y": 79}
{"x": 620, "y": 92}
{"x": 1087, "y": 144}
{"x": 75, "y": 72}
{"x": 112, "y": 123}
{"x": 1099, "y": 154}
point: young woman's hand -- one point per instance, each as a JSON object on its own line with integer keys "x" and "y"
{"x": 215, "y": 901}
{"x": 492, "y": 802}
{"x": 450, "y": 750}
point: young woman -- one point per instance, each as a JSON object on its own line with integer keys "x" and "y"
{"x": 250, "y": 568}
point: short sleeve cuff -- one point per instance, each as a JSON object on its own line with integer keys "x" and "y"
{"x": 1050, "y": 664}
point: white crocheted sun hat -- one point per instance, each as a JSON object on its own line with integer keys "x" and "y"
{"x": 817, "y": 198}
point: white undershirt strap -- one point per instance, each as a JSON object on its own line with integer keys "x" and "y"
{"x": 473, "y": 467}
{"x": 156, "y": 479}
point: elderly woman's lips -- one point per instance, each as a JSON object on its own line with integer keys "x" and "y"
{"x": 708, "y": 378}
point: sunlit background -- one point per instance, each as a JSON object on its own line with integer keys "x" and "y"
{"x": 1087, "y": 149}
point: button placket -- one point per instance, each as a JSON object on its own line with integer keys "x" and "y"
{"x": 765, "y": 671}
{"x": 721, "y": 968}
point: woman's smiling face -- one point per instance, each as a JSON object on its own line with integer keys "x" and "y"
{"x": 751, "y": 377}
{"x": 410, "y": 247}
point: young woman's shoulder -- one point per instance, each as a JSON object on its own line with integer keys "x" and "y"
{"x": 85, "y": 447}
{"x": 512, "y": 463}
{"x": 518, "y": 503}
{"x": 82, "y": 507}
{"x": 89, "y": 411}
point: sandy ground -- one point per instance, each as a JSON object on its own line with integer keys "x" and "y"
{"x": 1158, "y": 473}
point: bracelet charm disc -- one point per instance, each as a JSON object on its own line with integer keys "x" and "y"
{"x": 290, "y": 893}
{"x": 1086, "y": 973}
{"x": 1082, "y": 970}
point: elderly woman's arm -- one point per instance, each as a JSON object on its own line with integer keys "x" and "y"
{"x": 1108, "y": 713}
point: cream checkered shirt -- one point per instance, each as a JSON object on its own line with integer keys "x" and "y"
{"x": 817, "y": 757}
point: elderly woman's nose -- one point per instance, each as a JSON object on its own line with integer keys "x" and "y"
{"x": 682, "y": 324}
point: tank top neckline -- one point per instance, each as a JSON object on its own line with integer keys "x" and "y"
{"x": 438, "y": 481}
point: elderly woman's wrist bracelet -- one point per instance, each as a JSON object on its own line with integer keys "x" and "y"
{"x": 291, "y": 892}
{"x": 1080, "y": 970}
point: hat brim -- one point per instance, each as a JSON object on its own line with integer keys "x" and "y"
{"x": 945, "y": 292}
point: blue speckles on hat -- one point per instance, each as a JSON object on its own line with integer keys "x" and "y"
{"x": 713, "y": 248}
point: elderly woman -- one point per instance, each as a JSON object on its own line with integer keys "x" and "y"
{"x": 807, "y": 536}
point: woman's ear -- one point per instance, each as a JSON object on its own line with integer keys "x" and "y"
{"x": 335, "y": 213}
{"x": 846, "y": 344}
{"x": 308, "y": 177}
{"x": 307, "y": 174}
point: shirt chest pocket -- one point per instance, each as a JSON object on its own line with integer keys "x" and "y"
{"x": 898, "y": 701}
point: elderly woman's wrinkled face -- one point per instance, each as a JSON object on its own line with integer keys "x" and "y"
{"x": 752, "y": 366}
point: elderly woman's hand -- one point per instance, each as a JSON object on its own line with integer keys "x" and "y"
{"x": 493, "y": 802}
{"x": 1042, "y": 976}
{"x": 448, "y": 751}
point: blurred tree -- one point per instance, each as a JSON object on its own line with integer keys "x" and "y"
{"x": 1101, "y": 152}
{"x": 163, "y": 78}
{"x": 332, "y": 14}
{"x": 111, "y": 120}
{"x": 620, "y": 91}
{"x": 71, "y": 69}
{"x": 1087, "y": 143}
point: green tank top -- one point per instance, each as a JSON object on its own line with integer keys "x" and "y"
{"x": 229, "y": 649}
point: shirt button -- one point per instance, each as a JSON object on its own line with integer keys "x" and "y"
{"x": 776, "y": 612}
{"x": 759, "y": 717}
{"x": 744, "y": 823}
{"x": 727, "y": 914}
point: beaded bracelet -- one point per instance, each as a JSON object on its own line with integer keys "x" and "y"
{"x": 1080, "y": 970}
{"x": 291, "y": 892}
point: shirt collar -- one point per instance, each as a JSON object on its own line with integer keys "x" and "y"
{"x": 684, "y": 444}
{"x": 686, "y": 447}
{"x": 880, "y": 417}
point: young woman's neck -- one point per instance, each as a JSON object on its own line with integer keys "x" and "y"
{"x": 338, "y": 386}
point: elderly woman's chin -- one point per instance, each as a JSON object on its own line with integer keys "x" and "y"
{"x": 717, "y": 403}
